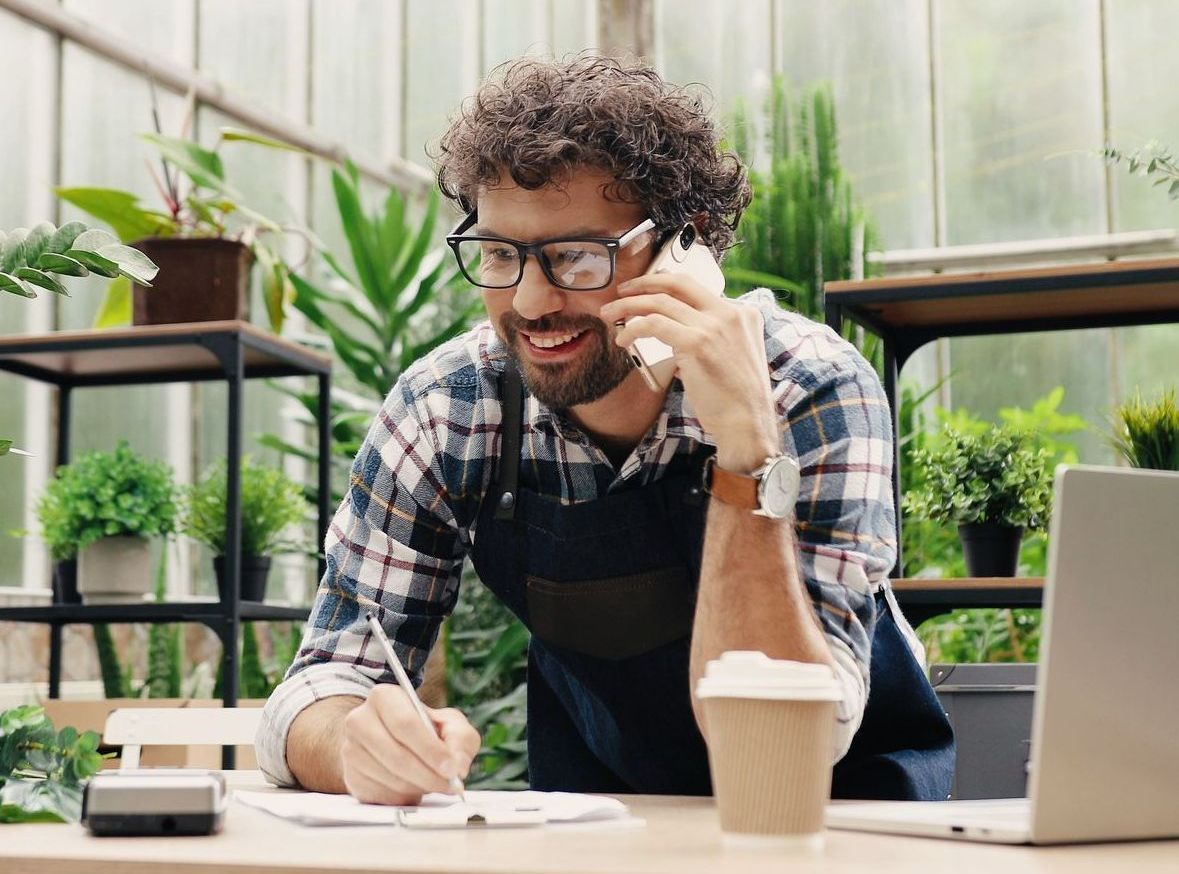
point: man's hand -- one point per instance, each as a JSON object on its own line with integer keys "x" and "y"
{"x": 720, "y": 357}
{"x": 389, "y": 757}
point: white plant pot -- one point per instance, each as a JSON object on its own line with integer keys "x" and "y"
{"x": 115, "y": 570}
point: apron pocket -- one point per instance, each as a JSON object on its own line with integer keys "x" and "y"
{"x": 615, "y": 617}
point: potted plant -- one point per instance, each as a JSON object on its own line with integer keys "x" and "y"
{"x": 993, "y": 485}
{"x": 1147, "y": 435}
{"x": 271, "y": 504}
{"x": 206, "y": 239}
{"x": 107, "y": 505}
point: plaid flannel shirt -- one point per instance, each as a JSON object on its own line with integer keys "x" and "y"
{"x": 400, "y": 535}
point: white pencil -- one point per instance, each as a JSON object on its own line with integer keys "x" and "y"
{"x": 456, "y": 785}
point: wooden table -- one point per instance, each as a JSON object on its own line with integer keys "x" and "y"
{"x": 682, "y": 835}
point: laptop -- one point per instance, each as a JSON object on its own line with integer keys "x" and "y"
{"x": 1105, "y": 750}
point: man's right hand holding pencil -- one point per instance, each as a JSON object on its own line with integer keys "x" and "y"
{"x": 388, "y": 756}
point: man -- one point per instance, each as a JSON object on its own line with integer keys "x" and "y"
{"x": 616, "y": 521}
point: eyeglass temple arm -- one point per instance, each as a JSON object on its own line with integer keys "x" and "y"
{"x": 634, "y": 232}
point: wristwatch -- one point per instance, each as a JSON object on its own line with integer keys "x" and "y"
{"x": 771, "y": 490}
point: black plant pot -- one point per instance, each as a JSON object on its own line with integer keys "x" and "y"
{"x": 991, "y": 550}
{"x": 254, "y": 571}
{"x": 65, "y": 582}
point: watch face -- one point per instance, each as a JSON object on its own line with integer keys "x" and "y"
{"x": 779, "y": 487}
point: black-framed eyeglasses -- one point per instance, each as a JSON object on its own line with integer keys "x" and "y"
{"x": 572, "y": 263}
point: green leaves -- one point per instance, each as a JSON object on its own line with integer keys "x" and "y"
{"x": 1147, "y": 434}
{"x": 990, "y": 477}
{"x": 41, "y": 771}
{"x": 29, "y": 257}
{"x": 1154, "y": 159}
{"x": 120, "y": 210}
{"x": 104, "y": 494}
{"x": 271, "y": 504}
{"x": 202, "y": 166}
{"x": 804, "y": 226}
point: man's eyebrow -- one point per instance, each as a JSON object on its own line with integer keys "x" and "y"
{"x": 582, "y": 231}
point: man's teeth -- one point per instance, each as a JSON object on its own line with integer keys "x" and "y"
{"x": 550, "y": 342}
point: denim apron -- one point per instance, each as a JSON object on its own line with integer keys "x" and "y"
{"x": 607, "y": 588}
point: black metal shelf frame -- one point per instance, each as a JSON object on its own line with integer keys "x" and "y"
{"x": 227, "y": 346}
{"x": 861, "y": 305}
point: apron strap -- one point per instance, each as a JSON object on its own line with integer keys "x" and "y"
{"x": 507, "y": 470}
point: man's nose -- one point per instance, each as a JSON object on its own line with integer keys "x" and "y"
{"x": 535, "y": 296}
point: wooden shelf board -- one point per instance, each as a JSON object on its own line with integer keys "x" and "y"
{"x": 152, "y": 349}
{"x": 1100, "y": 291}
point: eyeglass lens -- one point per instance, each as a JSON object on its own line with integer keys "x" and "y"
{"x": 571, "y": 264}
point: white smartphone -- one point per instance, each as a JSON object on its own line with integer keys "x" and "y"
{"x": 683, "y": 253}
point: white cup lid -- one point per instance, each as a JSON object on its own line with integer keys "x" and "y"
{"x": 742, "y": 674}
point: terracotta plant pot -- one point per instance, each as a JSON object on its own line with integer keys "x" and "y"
{"x": 200, "y": 280}
{"x": 115, "y": 570}
{"x": 991, "y": 550}
{"x": 255, "y": 569}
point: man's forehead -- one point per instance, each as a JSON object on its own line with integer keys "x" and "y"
{"x": 579, "y": 207}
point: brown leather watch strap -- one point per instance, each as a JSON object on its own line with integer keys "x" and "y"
{"x": 735, "y": 489}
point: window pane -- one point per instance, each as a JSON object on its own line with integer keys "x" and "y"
{"x": 876, "y": 57}
{"x": 1021, "y": 113}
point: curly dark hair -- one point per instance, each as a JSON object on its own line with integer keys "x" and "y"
{"x": 538, "y": 120}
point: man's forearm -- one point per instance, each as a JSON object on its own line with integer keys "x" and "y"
{"x": 314, "y": 742}
{"x": 751, "y": 596}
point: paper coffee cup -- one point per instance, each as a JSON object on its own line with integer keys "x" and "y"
{"x": 770, "y": 742}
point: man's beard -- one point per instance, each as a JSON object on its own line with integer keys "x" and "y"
{"x": 597, "y": 371}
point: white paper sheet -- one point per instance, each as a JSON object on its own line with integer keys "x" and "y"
{"x": 496, "y": 809}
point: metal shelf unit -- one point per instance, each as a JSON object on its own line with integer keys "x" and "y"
{"x": 232, "y": 351}
{"x": 908, "y": 312}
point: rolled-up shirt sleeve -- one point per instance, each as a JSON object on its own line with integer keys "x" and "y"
{"x": 392, "y": 548}
{"x": 839, "y": 427}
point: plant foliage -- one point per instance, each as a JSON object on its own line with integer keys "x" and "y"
{"x": 382, "y": 314}
{"x": 934, "y": 550}
{"x": 1147, "y": 434}
{"x": 106, "y": 494}
{"x": 271, "y": 504}
{"x": 1154, "y": 161}
{"x": 804, "y": 226}
{"x": 32, "y": 259}
{"x": 199, "y": 201}
{"x": 993, "y": 477}
{"x": 42, "y": 770}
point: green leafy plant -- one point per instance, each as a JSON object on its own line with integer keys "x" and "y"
{"x": 934, "y": 550}
{"x": 32, "y": 259}
{"x": 271, "y": 504}
{"x": 1147, "y": 434}
{"x": 402, "y": 297}
{"x": 199, "y": 201}
{"x": 993, "y": 477}
{"x": 805, "y": 225}
{"x": 42, "y": 770}
{"x": 106, "y": 494}
{"x": 1154, "y": 160}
